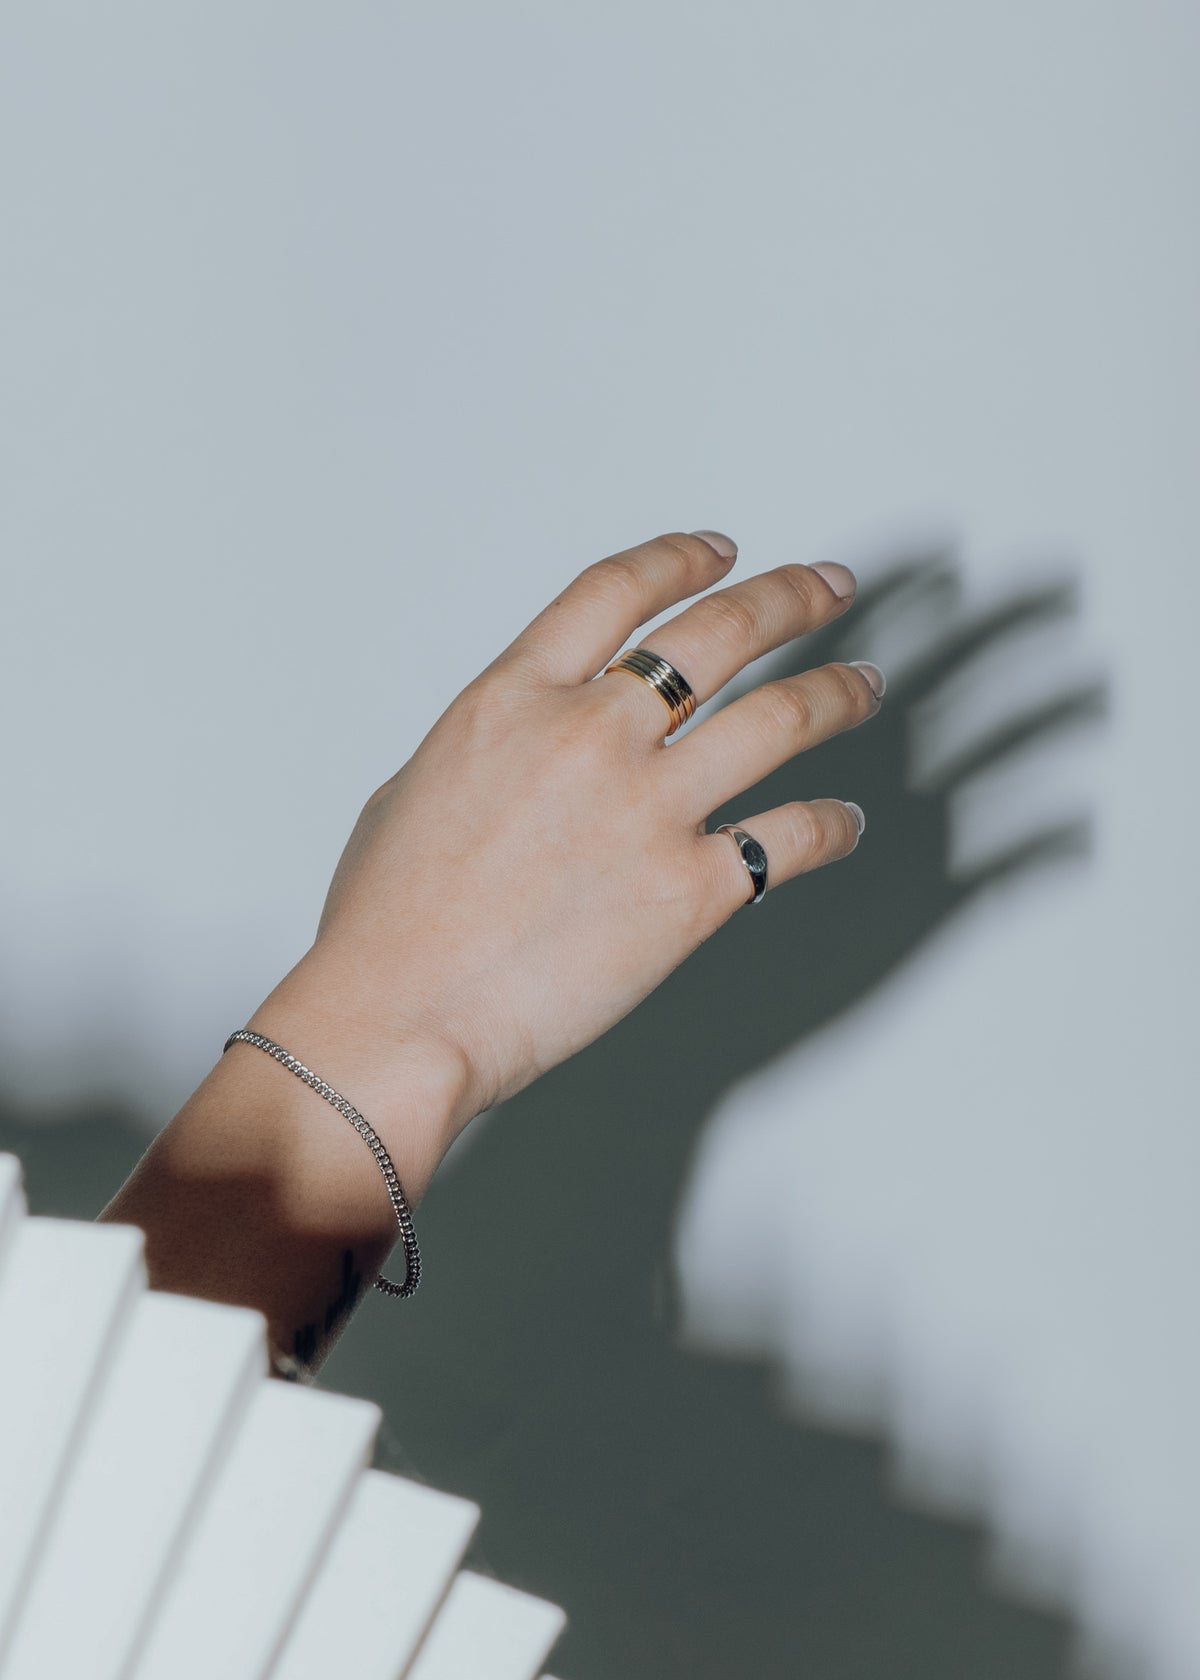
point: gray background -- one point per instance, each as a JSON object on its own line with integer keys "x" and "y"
{"x": 335, "y": 340}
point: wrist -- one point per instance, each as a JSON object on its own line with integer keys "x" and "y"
{"x": 406, "y": 1081}
{"x": 259, "y": 1193}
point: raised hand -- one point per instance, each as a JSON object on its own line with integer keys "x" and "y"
{"x": 542, "y": 862}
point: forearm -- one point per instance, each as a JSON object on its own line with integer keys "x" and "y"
{"x": 260, "y": 1193}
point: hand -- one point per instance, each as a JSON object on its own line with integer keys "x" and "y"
{"x": 537, "y": 867}
{"x": 541, "y": 862}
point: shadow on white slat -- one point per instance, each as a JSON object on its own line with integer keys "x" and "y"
{"x": 380, "y": 1583}
{"x": 268, "y": 1516}
{"x": 184, "y": 1373}
{"x": 168, "y": 1510}
{"x": 67, "y": 1294}
{"x": 487, "y": 1631}
{"x": 12, "y": 1202}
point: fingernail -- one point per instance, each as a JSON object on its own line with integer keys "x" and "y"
{"x": 725, "y": 546}
{"x": 873, "y": 675}
{"x": 856, "y": 811}
{"x": 839, "y": 578}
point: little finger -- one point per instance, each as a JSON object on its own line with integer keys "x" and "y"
{"x": 796, "y": 837}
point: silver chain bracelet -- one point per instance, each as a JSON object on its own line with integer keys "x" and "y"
{"x": 412, "y": 1255}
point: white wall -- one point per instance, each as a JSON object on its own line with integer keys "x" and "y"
{"x": 336, "y": 339}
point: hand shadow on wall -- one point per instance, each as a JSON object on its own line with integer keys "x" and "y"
{"x": 689, "y": 1527}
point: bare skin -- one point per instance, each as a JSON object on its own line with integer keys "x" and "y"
{"x": 537, "y": 867}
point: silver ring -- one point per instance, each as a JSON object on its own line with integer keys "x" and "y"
{"x": 752, "y": 856}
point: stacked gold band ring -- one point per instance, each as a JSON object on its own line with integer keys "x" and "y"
{"x": 669, "y": 684}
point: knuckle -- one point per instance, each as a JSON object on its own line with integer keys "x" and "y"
{"x": 377, "y": 799}
{"x": 787, "y": 709}
{"x": 720, "y": 877}
{"x": 851, "y": 691}
{"x": 800, "y": 582}
{"x": 606, "y": 733}
{"x": 483, "y": 714}
{"x": 676, "y": 890}
{"x": 686, "y": 896}
{"x": 736, "y": 615}
{"x": 473, "y": 705}
{"x": 694, "y": 550}
{"x": 804, "y": 829}
{"x": 618, "y": 576}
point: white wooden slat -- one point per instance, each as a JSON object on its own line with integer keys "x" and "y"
{"x": 270, "y": 1511}
{"x": 67, "y": 1291}
{"x": 183, "y": 1373}
{"x": 167, "y": 1510}
{"x": 390, "y": 1564}
{"x": 12, "y": 1203}
{"x": 487, "y": 1631}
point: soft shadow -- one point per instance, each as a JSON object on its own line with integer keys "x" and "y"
{"x": 660, "y": 1495}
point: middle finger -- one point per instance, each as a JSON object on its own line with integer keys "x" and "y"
{"x": 711, "y": 641}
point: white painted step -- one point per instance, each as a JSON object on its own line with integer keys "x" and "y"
{"x": 184, "y": 1372}
{"x": 380, "y": 1583}
{"x": 168, "y": 1511}
{"x": 67, "y": 1293}
{"x": 12, "y": 1204}
{"x": 270, "y": 1512}
{"x": 487, "y": 1631}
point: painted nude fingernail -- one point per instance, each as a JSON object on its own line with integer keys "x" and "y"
{"x": 856, "y": 811}
{"x": 839, "y": 578}
{"x": 725, "y": 546}
{"x": 873, "y": 675}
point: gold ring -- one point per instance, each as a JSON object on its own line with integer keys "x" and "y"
{"x": 671, "y": 686}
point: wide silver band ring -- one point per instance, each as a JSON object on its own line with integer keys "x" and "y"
{"x": 752, "y": 855}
